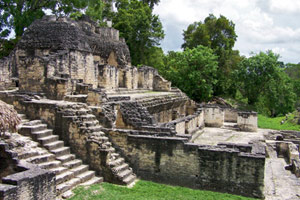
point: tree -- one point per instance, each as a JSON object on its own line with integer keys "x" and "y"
{"x": 193, "y": 71}
{"x": 17, "y": 15}
{"x": 141, "y": 29}
{"x": 265, "y": 85}
{"x": 219, "y": 35}
{"x": 151, "y": 3}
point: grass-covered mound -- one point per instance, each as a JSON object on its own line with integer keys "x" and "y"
{"x": 276, "y": 123}
{"x": 145, "y": 190}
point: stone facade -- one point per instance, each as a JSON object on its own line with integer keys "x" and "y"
{"x": 172, "y": 161}
{"x": 213, "y": 116}
{"x": 247, "y": 121}
{"x": 77, "y": 79}
{"x": 24, "y": 180}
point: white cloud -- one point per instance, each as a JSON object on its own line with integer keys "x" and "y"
{"x": 285, "y": 5}
{"x": 260, "y": 24}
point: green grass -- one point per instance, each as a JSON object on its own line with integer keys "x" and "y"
{"x": 275, "y": 123}
{"x": 145, "y": 190}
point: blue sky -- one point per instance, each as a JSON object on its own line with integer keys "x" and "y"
{"x": 260, "y": 24}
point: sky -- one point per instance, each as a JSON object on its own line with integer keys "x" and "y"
{"x": 261, "y": 25}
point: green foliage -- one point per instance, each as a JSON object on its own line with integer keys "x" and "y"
{"x": 265, "y": 85}
{"x": 293, "y": 71}
{"x": 148, "y": 191}
{"x": 219, "y": 35}
{"x": 275, "y": 123}
{"x": 141, "y": 29}
{"x": 193, "y": 71}
{"x": 6, "y": 47}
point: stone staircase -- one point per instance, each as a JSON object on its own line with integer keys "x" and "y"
{"x": 89, "y": 125}
{"x": 70, "y": 172}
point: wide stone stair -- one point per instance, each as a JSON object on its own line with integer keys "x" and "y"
{"x": 70, "y": 171}
{"x": 89, "y": 125}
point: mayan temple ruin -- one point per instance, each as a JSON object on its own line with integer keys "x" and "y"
{"x": 88, "y": 116}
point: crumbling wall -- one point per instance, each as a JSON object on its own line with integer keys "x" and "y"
{"x": 26, "y": 181}
{"x": 108, "y": 77}
{"x": 160, "y": 84}
{"x": 247, "y": 121}
{"x": 145, "y": 77}
{"x": 170, "y": 160}
{"x": 213, "y": 116}
{"x": 231, "y": 115}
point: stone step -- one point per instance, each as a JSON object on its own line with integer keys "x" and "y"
{"x": 61, "y": 151}
{"x": 114, "y": 155}
{"x": 87, "y": 117}
{"x": 41, "y": 158}
{"x": 86, "y": 176}
{"x": 116, "y": 162}
{"x": 48, "y": 139}
{"x": 59, "y": 170}
{"x": 63, "y": 187}
{"x": 63, "y": 177}
{"x": 22, "y": 116}
{"x": 25, "y": 155}
{"x": 124, "y": 174}
{"x": 92, "y": 181}
{"x": 80, "y": 169}
{"x": 90, "y": 123}
{"x": 54, "y": 145}
{"x": 91, "y": 129}
{"x": 66, "y": 158}
{"x": 121, "y": 168}
{"x": 34, "y": 122}
{"x": 40, "y": 134}
{"x": 130, "y": 179}
{"x": 28, "y": 129}
{"x": 73, "y": 163}
{"x": 50, "y": 164}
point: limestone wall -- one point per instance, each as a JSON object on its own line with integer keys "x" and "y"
{"x": 169, "y": 160}
{"x": 27, "y": 181}
{"x": 108, "y": 77}
{"x": 160, "y": 84}
{"x": 230, "y": 115}
{"x": 247, "y": 121}
{"x": 213, "y": 116}
{"x": 5, "y": 74}
{"x": 145, "y": 77}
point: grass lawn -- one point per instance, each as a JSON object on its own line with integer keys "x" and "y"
{"x": 274, "y": 123}
{"x": 145, "y": 190}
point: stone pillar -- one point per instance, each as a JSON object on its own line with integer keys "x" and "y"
{"x": 213, "y": 116}
{"x": 247, "y": 121}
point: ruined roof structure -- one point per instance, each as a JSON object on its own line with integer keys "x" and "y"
{"x": 89, "y": 116}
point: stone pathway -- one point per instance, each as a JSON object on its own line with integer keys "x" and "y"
{"x": 213, "y": 136}
{"x": 280, "y": 184}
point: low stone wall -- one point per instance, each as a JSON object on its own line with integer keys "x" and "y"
{"x": 172, "y": 161}
{"x": 189, "y": 124}
{"x": 160, "y": 84}
{"x": 247, "y": 121}
{"x": 231, "y": 115}
{"x": 290, "y": 152}
{"x": 213, "y": 116}
{"x": 28, "y": 181}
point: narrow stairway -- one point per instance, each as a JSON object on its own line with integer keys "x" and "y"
{"x": 70, "y": 171}
{"x": 89, "y": 125}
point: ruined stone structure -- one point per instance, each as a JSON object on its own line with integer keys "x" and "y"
{"x": 90, "y": 109}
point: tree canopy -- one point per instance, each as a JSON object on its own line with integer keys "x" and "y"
{"x": 263, "y": 82}
{"x": 141, "y": 29}
{"x": 219, "y": 35}
{"x": 193, "y": 71}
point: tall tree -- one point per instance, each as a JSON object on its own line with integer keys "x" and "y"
{"x": 17, "y": 15}
{"x": 265, "y": 85}
{"x": 141, "y": 29}
{"x": 193, "y": 71}
{"x": 219, "y": 35}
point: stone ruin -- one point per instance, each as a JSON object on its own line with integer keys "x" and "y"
{"x": 98, "y": 118}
